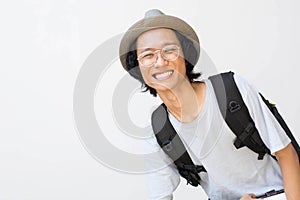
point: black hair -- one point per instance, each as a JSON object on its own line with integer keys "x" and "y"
{"x": 189, "y": 52}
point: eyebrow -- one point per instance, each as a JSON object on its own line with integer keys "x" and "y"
{"x": 148, "y": 49}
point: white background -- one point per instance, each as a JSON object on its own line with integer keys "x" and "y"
{"x": 43, "y": 45}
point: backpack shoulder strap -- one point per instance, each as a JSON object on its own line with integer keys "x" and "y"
{"x": 283, "y": 124}
{"x": 172, "y": 145}
{"x": 236, "y": 114}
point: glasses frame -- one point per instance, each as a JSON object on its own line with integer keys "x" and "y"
{"x": 162, "y": 55}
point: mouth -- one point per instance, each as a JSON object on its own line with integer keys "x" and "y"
{"x": 163, "y": 75}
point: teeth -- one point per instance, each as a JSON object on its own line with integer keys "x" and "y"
{"x": 163, "y": 75}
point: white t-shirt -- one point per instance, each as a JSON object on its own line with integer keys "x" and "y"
{"x": 231, "y": 172}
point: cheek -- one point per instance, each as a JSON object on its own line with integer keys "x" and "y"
{"x": 145, "y": 74}
{"x": 147, "y": 77}
{"x": 181, "y": 66}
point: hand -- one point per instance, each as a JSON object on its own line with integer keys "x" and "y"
{"x": 248, "y": 197}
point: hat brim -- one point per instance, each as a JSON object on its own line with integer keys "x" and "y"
{"x": 150, "y": 23}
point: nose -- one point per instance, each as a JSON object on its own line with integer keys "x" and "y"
{"x": 160, "y": 60}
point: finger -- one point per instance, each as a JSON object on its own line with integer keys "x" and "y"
{"x": 252, "y": 195}
{"x": 248, "y": 197}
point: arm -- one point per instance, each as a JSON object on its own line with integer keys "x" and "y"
{"x": 289, "y": 164}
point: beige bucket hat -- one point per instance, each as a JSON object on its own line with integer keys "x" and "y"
{"x": 154, "y": 19}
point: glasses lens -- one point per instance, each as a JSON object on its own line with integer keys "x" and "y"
{"x": 170, "y": 52}
{"x": 147, "y": 58}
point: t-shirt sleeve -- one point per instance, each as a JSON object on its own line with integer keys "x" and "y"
{"x": 163, "y": 177}
{"x": 268, "y": 127}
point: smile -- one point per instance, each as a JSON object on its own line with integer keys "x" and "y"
{"x": 163, "y": 76}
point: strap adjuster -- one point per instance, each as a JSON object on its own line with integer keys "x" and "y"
{"x": 248, "y": 131}
{"x": 167, "y": 145}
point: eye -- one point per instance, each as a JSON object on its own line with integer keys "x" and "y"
{"x": 170, "y": 49}
{"x": 147, "y": 55}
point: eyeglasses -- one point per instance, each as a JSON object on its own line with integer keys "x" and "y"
{"x": 169, "y": 53}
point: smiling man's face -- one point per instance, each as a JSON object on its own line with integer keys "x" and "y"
{"x": 163, "y": 74}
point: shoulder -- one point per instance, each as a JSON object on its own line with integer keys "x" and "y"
{"x": 243, "y": 84}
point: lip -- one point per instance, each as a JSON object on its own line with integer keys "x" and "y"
{"x": 164, "y": 75}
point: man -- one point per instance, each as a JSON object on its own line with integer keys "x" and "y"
{"x": 161, "y": 52}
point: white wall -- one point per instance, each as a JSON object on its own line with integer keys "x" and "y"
{"x": 43, "y": 46}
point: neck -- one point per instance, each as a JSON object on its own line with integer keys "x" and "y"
{"x": 184, "y": 103}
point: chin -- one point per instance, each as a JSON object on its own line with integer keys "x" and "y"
{"x": 163, "y": 87}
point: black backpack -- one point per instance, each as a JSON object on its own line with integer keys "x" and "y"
{"x": 237, "y": 117}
